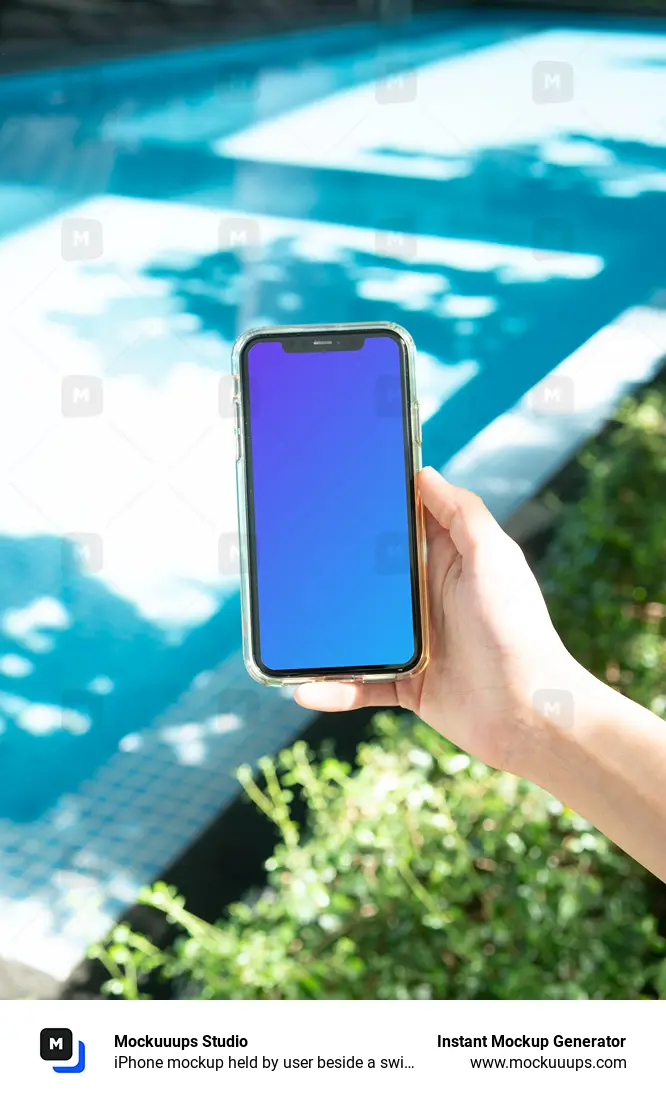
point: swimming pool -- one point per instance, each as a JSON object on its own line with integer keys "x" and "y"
{"x": 494, "y": 186}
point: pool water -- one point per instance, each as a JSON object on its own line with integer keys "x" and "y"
{"x": 495, "y": 186}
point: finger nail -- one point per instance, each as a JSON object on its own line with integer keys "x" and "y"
{"x": 432, "y": 470}
{"x": 306, "y": 694}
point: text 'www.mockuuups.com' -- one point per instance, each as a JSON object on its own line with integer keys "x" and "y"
{"x": 575, "y": 1052}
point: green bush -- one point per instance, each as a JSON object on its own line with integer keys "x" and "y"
{"x": 605, "y": 573}
{"x": 424, "y": 874}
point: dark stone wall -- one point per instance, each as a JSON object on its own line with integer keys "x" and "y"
{"x": 31, "y": 27}
{"x": 620, "y": 7}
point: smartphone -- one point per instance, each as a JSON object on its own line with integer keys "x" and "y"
{"x": 328, "y": 445}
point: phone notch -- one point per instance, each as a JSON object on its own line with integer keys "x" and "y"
{"x": 352, "y": 341}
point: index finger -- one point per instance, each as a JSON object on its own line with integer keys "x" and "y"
{"x": 341, "y": 696}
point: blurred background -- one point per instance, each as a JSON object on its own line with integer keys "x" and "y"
{"x": 492, "y": 177}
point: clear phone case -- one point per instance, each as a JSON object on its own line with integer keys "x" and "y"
{"x": 414, "y": 428}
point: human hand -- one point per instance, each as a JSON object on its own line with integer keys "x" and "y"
{"x": 492, "y": 648}
{"x": 492, "y": 642}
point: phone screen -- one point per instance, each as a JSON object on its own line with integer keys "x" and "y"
{"x": 331, "y": 516}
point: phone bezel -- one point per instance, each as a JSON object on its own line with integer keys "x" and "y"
{"x": 331, "y": 337}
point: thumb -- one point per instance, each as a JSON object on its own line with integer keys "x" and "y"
{"x": 460, "y": 512}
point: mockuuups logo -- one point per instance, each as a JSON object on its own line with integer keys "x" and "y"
{"x": 56, "y": 1044}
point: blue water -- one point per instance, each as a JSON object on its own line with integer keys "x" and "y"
{"x": 535, "y": 224}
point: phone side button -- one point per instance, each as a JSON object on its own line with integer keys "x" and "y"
{"x": 237, "y": 430}
{"x": 417, "y": 423}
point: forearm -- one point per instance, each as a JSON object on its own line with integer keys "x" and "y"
{"x": 609, "y": 766}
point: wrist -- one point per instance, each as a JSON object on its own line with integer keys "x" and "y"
{"x": 557, "y": 724}
{"x": 609, "y": 765}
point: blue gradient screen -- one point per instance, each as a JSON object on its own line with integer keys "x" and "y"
{"x": 328, "y": 481}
